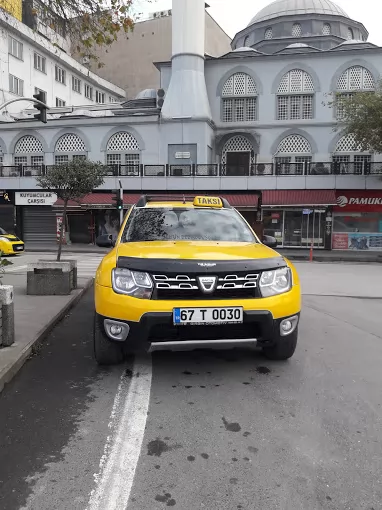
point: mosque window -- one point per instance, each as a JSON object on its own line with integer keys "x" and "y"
{"x": 326, "y": 29}
{"x": 350, "y": 34}
{"x": 239, "y": 97}
{"x": 293, "y": 149}
{"x": 123, "y": 149}
{"x": 296, "y": 30}
{"x": 246, "y": 41}
{"x": 29, "y": 152}
{"x": 295, "y": 96}
{"x": 349, "y": 157}
{"x": 69, "y": 147}
{"x": 268, "y": 33}
{"x": 354, "y": 79}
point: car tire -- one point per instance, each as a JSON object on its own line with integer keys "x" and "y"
{"x": 283, "y": 348}
{"x": 106, "y": 352}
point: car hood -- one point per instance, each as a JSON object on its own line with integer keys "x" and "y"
{"x": 195, "y": 250}
{"x": 10, "y": 237}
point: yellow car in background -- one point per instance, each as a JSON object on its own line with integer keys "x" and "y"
{"x": 10, "y": 244}
{"x": 190, "y": 272}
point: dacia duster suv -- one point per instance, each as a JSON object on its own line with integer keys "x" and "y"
{"x": 189, "y": 272}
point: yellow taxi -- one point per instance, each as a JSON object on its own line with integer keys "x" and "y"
{"x": 10, "y": 244}
{"x": 189, "y": 272}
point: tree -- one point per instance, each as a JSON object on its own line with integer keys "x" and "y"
{"x": 87, "y": 23}
{"x": 71, "y": 181}
{"x": 360, "y": 114}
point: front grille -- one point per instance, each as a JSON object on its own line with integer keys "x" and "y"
{"x": 186, "y": 286}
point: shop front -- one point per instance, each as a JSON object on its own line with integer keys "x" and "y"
{"x": 37, "y": 217}
{"x": 357, "y": 220}
{"x": 299, "y": 218}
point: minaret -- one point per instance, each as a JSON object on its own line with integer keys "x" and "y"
{"x": 186, "y": 96}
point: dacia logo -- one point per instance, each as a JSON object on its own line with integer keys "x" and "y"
{"x": 207, "y": 284}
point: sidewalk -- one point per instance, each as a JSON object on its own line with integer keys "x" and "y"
{"x": 333, "y": 256}
{"x": 35, "y": 317}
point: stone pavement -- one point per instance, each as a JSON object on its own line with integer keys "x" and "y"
{"x": 35, "y": 316}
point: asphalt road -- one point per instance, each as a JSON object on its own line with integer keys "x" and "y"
{"x": 206, "y": 430}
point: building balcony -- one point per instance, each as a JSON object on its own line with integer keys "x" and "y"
{"x": 214, "y": 177}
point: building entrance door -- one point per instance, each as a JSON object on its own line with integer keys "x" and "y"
{"x": 238, "y": 163}
{"x": 302, "y": 227}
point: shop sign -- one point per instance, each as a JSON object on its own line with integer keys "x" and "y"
{"x": 357, "y": 241}
{"x": 362, "y": 201}
{"x": 307, "y": 211}
{"x": 59, "y": 224}
{"x": 182, "y": 155}
{"x": 340, "y": 241}
{"x": 35, "y": 198}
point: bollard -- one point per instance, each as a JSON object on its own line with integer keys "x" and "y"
{"x": 7, "y": 321}
{"x": 311, "y": 253}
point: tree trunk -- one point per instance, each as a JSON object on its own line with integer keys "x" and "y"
{"x": 63, "y": 228}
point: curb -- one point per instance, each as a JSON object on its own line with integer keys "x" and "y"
{"x": 7, "y": 374}
{"x": 302, "y": 258}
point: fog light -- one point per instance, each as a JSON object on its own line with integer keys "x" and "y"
{"x": 116, "y": 330}
{"x": 287, "y": 326}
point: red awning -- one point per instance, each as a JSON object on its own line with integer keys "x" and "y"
{"x": 298, "y": 197}
{"x": 105, "y": 199}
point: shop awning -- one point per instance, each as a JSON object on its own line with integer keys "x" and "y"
{"x": 298, "y": 197}
{"x": 103, "y": 200}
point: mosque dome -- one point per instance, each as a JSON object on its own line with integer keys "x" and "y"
{"x": 298, "y": 7}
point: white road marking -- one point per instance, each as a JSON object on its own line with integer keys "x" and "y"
{"x": 123, "y": 445}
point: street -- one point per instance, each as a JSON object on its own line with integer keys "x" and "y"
{"x": 213, "y": 430}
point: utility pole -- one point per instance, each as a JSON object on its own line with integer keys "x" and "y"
{"x": 121, "y": 199}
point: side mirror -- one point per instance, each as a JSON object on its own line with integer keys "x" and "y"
{"x": 270, "y": 241}
{"x": 105, "y": 241}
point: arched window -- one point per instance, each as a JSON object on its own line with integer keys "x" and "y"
{"x": 355, "y": 78}
{"x": 268, "y": 33}
{"x": 29, "y": 154}
{"x": 350, "y": 34}
{"x": 295, "y": 96}
{"x": 296, "y": 30}
{"x": 237, "y": 156}
{"x": 239, "y": 99}
{"x": 69, "y": 147}
{"x": 293, "y": 154}
{"x": 326, "y": 29}
{"x": 246, "y": 41}
{"x": 349, "y": 158}
{"x": 123, "y": 150}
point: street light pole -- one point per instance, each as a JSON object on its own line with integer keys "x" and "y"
{"x": 33, "y": 100}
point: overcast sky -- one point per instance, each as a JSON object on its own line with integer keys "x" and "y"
{"x": 234, "y": 15}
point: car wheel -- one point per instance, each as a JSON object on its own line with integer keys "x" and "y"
{"x": 106, "y": 352}
{"x": 283, "y": 348}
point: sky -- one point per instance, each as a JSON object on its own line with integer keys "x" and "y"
{"x": 234, "y": 15}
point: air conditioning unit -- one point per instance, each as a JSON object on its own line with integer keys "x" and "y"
{"x": 86, "y": 60}
{"x": 169, "y": 12}
{"x": 160, "y": 98}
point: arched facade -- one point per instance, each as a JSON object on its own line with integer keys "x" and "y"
{"x": 293, "y": 153}
{"x": 237, "y": 156}
{"x": 348, "y": 157}
{"x": 29, "y": 155}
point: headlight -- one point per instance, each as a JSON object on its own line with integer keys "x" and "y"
{"x": 132, "y": 283}
{"x": 4, "y": 239}
{"x": 275, "y": 282}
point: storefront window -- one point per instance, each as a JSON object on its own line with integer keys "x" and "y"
{"x": 357, "y": 231}
{"x": 273, "y": 224}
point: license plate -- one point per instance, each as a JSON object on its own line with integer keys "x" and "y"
{"x": 19, "y": 248}
{"x": 229, "y": 315}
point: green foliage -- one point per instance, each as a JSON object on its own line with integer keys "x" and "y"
{"x": 360, "y": 114}
{"x": 89, "y": 23}
{"x": 73, "y": 180}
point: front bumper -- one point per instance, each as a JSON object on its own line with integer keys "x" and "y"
{"x": 12, "y": 248}
{"x": 157, "y": 329}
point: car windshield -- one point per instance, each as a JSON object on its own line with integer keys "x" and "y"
{"x": 187, "y": 224}
{"x": 3, "y": 232}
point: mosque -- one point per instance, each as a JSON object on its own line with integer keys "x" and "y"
{"x": 254, "y": 125}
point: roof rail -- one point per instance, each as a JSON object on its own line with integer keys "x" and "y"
{"x": 142, "y": 202}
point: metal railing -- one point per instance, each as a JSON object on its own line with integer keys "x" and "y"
{"x": 334, "y": 168}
